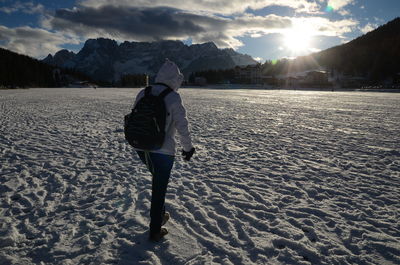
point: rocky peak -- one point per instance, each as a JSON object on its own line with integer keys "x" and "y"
{"x": 60, "y": 58}
{"x": 48, "y": 59}
{"x": 207, "y": 46}
{"x": 99, "y": 44}
{"x": 104, "y": 59}
{"x": 64, "y": 55}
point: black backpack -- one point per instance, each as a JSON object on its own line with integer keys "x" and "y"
{"x": 145, "y": 125}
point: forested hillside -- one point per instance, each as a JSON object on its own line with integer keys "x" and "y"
{"x": 18, "y": 70}
{"x": 375, "y": 55}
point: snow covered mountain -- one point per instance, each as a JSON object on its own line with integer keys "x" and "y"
{"x": 105, "y": 59}
{"x": 59, "y": 58}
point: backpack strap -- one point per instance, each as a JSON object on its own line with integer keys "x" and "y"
{"x": 162, "y": 84}
{"x": 147, "y": 91}
{"x": 165, "y": 92}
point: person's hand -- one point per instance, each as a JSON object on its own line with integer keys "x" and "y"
{"x": 188, "y": 155}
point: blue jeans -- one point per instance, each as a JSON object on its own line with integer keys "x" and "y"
{"x": 160, "y": 166}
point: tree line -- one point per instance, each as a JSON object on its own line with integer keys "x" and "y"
{"x": 18, "y": 70}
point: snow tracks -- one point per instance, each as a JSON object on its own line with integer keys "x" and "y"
{"x": 279, "y": 177}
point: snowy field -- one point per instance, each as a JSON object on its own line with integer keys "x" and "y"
{"x": 280, "y": 177}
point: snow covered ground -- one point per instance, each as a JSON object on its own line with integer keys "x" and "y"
{"x": 280, "y": 177}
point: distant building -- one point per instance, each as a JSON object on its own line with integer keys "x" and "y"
{"x": 250, "y": 74}
{"x": 315, "y": 78}
{"x": 291, "y": 81}
{"x": 352, "y": 81}
{"x": 134, "y": 80}
{"x": 311, "y": 78}
{"x": 57, "y": 77}
{"x": 200, "y": 81}
{"x": 339, "y": 79}
{"x": 396, "y": 79}
{"x": 82, "y": 84}
{"x": 269, "y": 80}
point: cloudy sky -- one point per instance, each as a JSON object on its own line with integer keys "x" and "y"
{"x": 264, "y": 29}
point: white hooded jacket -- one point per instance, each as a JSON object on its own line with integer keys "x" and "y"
{"x": 176, "y": 120}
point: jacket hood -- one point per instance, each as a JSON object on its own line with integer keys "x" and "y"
{"x": 170, "y": 75}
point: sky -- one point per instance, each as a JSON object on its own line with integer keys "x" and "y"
{"x": 264, "y": 29}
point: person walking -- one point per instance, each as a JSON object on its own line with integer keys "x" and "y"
{"x": 160, "y": 161}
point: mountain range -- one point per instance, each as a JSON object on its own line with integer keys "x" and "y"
{"x": 106, "y": 60}
{"x": 374, "y": 56}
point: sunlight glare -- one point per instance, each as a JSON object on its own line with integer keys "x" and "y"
{"x": 297, "y": 39}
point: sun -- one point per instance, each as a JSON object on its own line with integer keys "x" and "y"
{"x": 297, "y": 40}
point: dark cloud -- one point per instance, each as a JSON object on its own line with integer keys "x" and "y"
{"x": 226, "y": 7}
{"x": 141, "y": 23}
{"x": 142, "y": 20}
{"x": 149, "y": 24}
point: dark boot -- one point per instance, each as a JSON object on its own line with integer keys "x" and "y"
{"x": 158, "y": 236}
